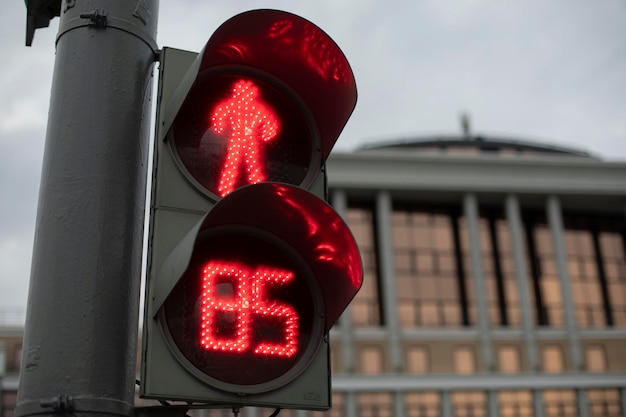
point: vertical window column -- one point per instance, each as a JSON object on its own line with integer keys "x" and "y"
{"x": 351, "y": 405}
{"x": 251, "y": 412}
{"x": 492, "y": 403}
{"x": 583, "y": 402}
{"x": 3, "y": 360}
{"x": 398, "y": 404}
{"x": 555, "y": 221}
{"x": 470, "y": 207}
{"x": 612, "y": 241}
{"x": 538, "y": 406}
{"x": 514, "y": 220}
{"x": 446, "y": 404}
{"x": 388, "y": 277}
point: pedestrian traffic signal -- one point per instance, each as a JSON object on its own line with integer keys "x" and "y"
{"x": 248, "y": 266}
{"x": 39, "y": 13}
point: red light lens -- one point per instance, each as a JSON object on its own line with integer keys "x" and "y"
{"x": 244, "y": 315}
{"x": 305, "y": 224}
{"x": 295, "y": 51}
{"x": 234, "y": 298}
{"x": 233, "y": 131}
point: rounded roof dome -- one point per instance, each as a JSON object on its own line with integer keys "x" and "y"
{"x": 477, "y": 144}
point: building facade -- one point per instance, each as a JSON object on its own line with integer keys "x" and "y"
{"x": 11, "y": 333}
{"x": 495, "y": 284}
{"x": 495, "y": 281}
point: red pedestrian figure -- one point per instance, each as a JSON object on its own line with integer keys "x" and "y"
{"x": 247, "y": 122}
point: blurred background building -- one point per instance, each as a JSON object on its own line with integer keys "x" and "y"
{"x": 495, "y": 283}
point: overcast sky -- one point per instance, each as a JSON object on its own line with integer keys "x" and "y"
{"x": 547, "y": 70}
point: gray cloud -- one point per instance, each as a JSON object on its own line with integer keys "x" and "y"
{"x": 553, "y": 70}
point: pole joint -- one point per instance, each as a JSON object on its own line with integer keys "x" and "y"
{"x": 61, "y": 403}
{"x": 66, "y": 404}
{"x": 97, "y": 18}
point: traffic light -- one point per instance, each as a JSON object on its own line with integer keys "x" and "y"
{"x": 39, "y": 13}
{"x": 248, "y": 266}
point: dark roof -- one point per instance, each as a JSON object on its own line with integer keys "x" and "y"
{"x": 478, "y": 144}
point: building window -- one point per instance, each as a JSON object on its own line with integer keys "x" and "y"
{"x": 464, "y": 360}
{"x": 509, "y": 359}
{"x": 552, "y": 359}
{"x": 469, "y": 404}
{"x": 546, "y": 294}
{"x": 335, "y": 366}
{"x": 422, "y": 404}
{"x": 502, "y": 295}
{"x": 417, "y": 360}
{"x": 430, "y": 276}
{"x": 597, "y": 268}
{"x": 365, "y": 308}
{"x": 16, "y": 360}
{"x": 515, "y": 403}
{"x": 587, "y": 288}
{"x": 604, "y": 403}
{"x": 8, "y": 400}
{"x": 374, "y": 404}
{"x": 338, "y": 408}
{"x": 371, "y": 359}
{"x": 595, "y": 359}
{"x": 612, "y": 254}
{"x": 560, "y": 403}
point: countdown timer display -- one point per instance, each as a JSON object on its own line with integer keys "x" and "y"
{"x": 245, "y": 317}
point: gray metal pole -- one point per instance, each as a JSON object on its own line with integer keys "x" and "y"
{"x": 79, "y": 353}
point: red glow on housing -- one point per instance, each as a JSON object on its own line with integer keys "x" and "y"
{"x": 313, "y": 47}
{"x": 247, "y": 122}
{"x": 234, "y": 298}
{"x": 305, "y": 224}
{"x": 270, "y": 95}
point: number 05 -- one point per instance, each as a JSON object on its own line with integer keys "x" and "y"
{"x": 247, "y": 303}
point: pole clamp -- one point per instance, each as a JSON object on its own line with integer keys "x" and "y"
{"x": 97, "y": 18}
{"x": 62, "y": 403}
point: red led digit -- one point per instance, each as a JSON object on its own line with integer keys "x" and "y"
{"x": 261, "y": 280}
{"x": 247, "y": 122}
{"x": 233, "y": 298}
{"x": 225, "y": 309}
